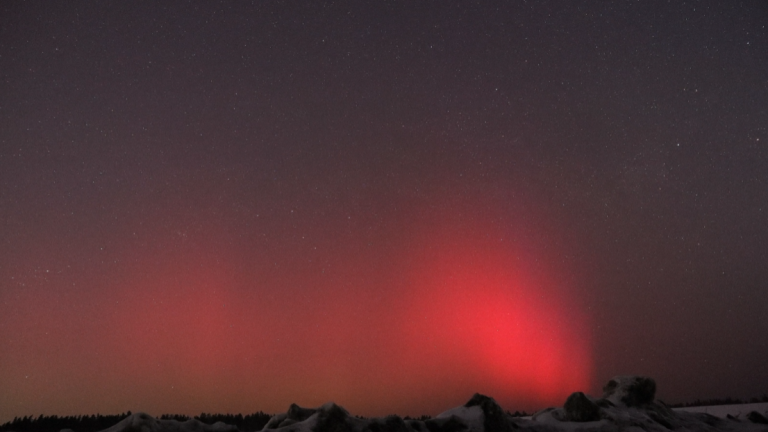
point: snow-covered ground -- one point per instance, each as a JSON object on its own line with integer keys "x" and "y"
{"x": 627, "y": 404}
{"x": 722, "y": 411}
{"x": 141, "y": 422}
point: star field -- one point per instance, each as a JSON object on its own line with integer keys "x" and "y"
{"x": 230, "y": 207}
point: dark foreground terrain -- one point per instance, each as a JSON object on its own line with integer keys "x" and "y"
{"x": 627, "y": 404}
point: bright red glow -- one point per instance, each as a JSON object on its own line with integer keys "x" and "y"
{"x": 185, "y": 323}
{"x": 487, "y": 312}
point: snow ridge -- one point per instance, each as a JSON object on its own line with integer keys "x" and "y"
{"x": 628, "y": 404}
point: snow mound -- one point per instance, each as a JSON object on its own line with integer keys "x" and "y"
{"x": 142, "y": 422}
{"x": 627, "y": 404}
{"x": 329, "y": 417}
{"x": 479, "y": 414}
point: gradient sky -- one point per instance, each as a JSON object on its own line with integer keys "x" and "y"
{"x": 230, "y": 207}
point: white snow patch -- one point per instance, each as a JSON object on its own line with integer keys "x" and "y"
{"x": 473, "y": 417}
{"x": 142, "y": 422}
{"x": 739, "y": 411}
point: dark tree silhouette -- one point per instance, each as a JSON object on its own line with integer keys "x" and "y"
{"x": 94, "y": 423}
{"x": 42, "y": 423}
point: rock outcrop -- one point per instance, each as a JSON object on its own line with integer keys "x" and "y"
{"x": 581, "y": 408}
{"x": 327, "y": 418}
{"x": 494, "y": 418}
{"x": 630, "y": 391}
{"x": 756, "y": 417}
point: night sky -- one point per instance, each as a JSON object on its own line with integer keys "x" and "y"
{"x": 230, "y": 207}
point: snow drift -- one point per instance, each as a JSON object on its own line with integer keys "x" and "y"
{"x": 141, "y": 422}
{"x": 628, "y": 404}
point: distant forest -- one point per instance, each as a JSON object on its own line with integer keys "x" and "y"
{"x": 248, "y": 423}
{"x": 726, "y": 401}
{"x": 94, "y": 423}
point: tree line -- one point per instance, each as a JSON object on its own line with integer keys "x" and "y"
{"x": 721, "y": 401}
{"x": 79, "y": 423}
{"x": 98, "y": 422}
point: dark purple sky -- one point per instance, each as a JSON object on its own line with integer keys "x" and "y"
{"x": 231, "y": 207}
